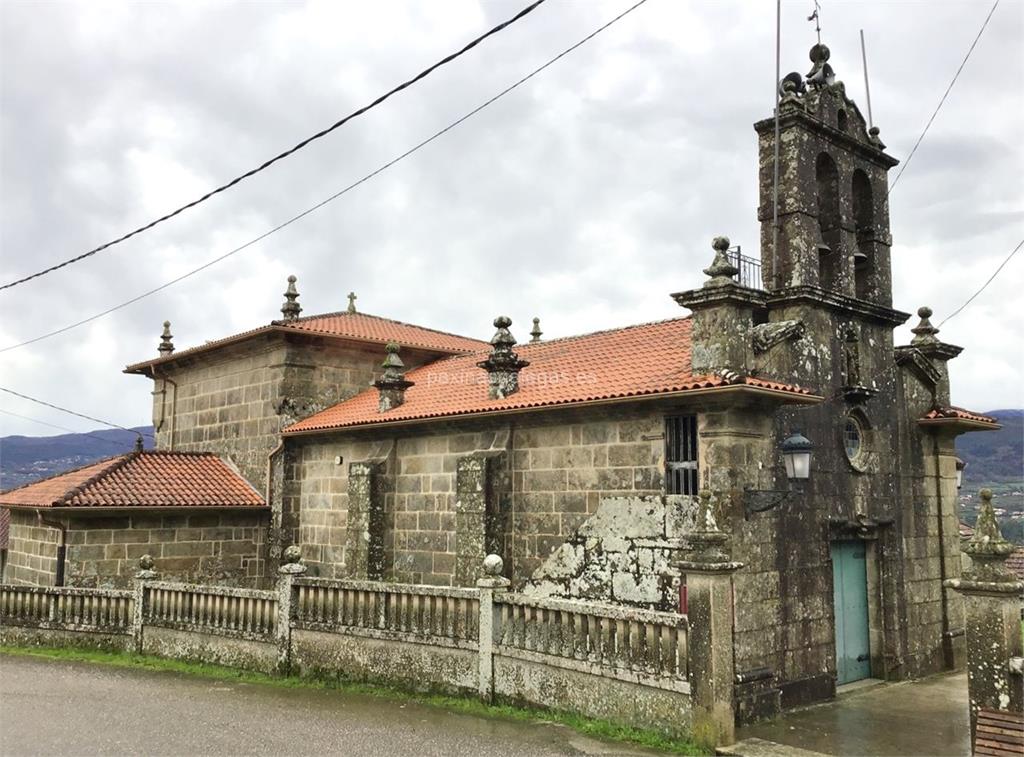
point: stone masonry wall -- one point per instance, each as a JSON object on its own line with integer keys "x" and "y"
{"x": 213, "y": 547}
{"x": 236, "y": 401}
{"x": 210, "y": 547}
{"x": 31, "y": 551}
{"x": 623, "y": 554}
{"x": 560, "y": 467}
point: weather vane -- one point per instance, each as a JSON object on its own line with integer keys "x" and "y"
{"x": 816, "y": 18}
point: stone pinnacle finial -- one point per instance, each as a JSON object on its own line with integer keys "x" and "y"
{"x": 139, "y": 444}
{"x": 352, "y": 302}
{"x": 166, "y": 345}
{"x": 392, "y": 384}
{"x": 924, "y": 331}
{"x": 291, "y": 307}
{"x": 503, "y": 364}
{"x": 147, "y": 569}
{"x": 987, "y": 548}
{"x": 721, "y": 269}
{"x": 536, "y": 334}
{"x": 291, "y": 561}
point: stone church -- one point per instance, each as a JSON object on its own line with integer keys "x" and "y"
{"x": 395, "y": 452}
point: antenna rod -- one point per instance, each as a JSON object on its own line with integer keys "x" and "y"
{"x": 867, "y": 87}
{"x": 776, "y": 281}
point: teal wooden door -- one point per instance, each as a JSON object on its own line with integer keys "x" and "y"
{"x": 850, "y": 591}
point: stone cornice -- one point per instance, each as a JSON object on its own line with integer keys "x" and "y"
{"x": 835, "y": 301}
{"x": 913, "y": 359}
{"x": 802, "y": 118}
{"x": 694, "y": 299}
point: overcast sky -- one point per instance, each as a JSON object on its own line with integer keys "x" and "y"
{"x": 585, "y": 197}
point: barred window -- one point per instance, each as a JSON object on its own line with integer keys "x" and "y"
{"x": 853, "y": 439}
{"x": 681, "y": 454}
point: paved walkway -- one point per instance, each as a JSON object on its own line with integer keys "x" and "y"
{"x": 49, "y": 707}
{"x": 927, "y": 717}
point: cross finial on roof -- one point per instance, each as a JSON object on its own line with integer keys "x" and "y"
{"x": 536, "y": 334}
{"x": 352, "y": 302}
{"x": 291, "y": 307}
{"x": 166, "y": 345}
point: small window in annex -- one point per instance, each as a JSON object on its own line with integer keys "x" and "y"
{"x": 681, "y": 454}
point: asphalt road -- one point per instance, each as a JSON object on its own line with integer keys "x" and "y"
{"x": 49, "y": 707}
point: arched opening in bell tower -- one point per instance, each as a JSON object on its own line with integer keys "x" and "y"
{"x": 829, "y": 251}
{"x": 864, "y": 219}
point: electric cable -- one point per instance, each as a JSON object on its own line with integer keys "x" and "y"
{"x": 65, "y": 428}
{"x": 72, "y": 412}
{"x": 985, "y": 285}
{"x": 333, "y": 197}
{"x": 322, "y": 133}
{"x": 943, "y": 100}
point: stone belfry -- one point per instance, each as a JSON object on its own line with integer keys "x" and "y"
{"x": 833, "y": 213}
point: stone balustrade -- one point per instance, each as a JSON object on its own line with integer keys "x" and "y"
{"x": 246, "y": 613}
{"x": 45, "y": 607}
{"x": 619, "y": 663}
{"x": 384, "y": 610}
{"x": 637, "y": 645}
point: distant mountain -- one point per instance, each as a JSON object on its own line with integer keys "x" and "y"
{"x": 995, "y": 456}
{"x": 28, "y": 458}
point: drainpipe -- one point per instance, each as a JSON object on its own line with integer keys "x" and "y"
{"x": 163, "y": 402}
{"x": 62, "y": 533}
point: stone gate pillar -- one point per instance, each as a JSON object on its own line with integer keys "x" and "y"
{"x": 708, "y": 576}
{"x": 992, "y": 602}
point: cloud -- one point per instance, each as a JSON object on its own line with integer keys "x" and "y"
{"x": 584, "y": 197}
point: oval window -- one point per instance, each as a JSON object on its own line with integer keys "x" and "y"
{"x": 853, "y": 439}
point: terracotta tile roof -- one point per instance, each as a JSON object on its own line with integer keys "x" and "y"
{"x": 142, "y": 479}
{"x": 1015, "y": 562}
{"x": 958, "y": 414}
{"x": 965, "y": 530}
{"x": 635, "y": 361}
{"x": 360, "y": 327}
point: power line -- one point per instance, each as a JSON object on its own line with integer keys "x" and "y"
{"x": 943, "y": 100}
{"x": 72, "y": 412}
{"x": 333, "y": 197}
{"x": 322, "y": 133}
{"x": 63, "y": 428}
{"x": 985, "y": 285}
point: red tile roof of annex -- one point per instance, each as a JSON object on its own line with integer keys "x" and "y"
{"x": 635, "y": 361}
{"x": 958, "y": 414}
{"x": 360, "y": 327}
{"x": 141, "y": 479}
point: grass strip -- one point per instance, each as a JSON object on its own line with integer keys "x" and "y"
{"x": 596, "y": 728}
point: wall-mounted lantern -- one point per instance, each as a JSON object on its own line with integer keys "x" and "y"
{"x": 796, "y": 455}
{"x": 960, "y": 465}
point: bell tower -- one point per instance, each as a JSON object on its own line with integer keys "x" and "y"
{"x": 833, "y": 212}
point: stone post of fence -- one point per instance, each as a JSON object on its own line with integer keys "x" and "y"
{"x": 291, "y": 568}
{"x": 491, "y": 583}
{"x": 708, "y": 574}
{"x": 992, "y": 602}
{"x": 144, "y": 574}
